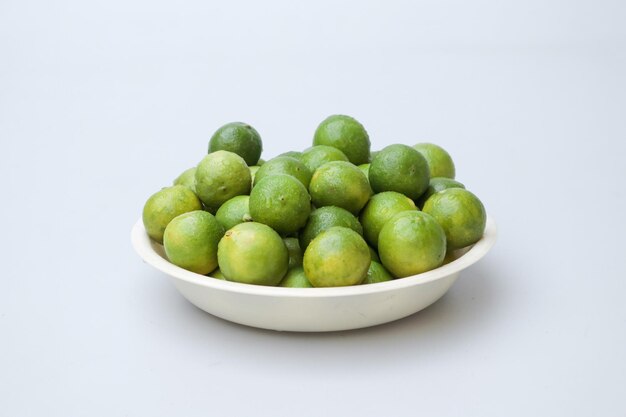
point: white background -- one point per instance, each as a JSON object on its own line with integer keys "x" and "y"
{"x": 104, "y": 102}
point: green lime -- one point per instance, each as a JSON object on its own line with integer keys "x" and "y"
{"x": 336, "y": 257}
{"x": 217, "y": 274}
{"x": 239, "y": 138}
{"x": 379, "y": 210}
{"x": 460, "y": 213}
{"x": 284, "y": 165}
{"x": 411, "y": 242}
{"x": 372, "y": 155}
{"x": 439, "y": 161}
{"x": 316, "y": 156}
{"x": 253, "y": 253}
{"x": 292, "y": 154}
{"x": 437, "y": 184}
{"x": 295, "y": 278}
{"x": 220, "y": 176}
{"x": 346, "y": 134}
{"x": 324, "y": 218}
{"x": 340, "y": 184}
{"x": 187, "y": 178}
{"x": 377, "y": 273}
{"x": 399, "y": 168}
{"x": 295, "y": 253}
{"x": 166, "y": 204}
{"x": 261, "y": 162}
{"x": 281, "y": 202}
{"x": 190, "y": 241}
{"x": 374, "y": 254}
{"x": 234, "y": 211}
{"x": 366, "y": 170}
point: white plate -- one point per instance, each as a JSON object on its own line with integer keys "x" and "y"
{"x": 312, "y": 309}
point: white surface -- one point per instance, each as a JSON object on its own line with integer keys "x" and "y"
{"x": 313, "y": 309}
{"x": 104, "y": 102}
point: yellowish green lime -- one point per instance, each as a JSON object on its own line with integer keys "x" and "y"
{"x": 377, "y": 273}
{"x": 399, "y": 168}
{"x": 460, "y": 213}
{"x": 217, "y": 274}
{"x": 410, "y": 243}
{"x": 324, "y": 218}
{"x": 340, "y": 184}
{"x": 437, "y": 184}
{"x": 295, "y": 278}
{"x": 346, "y": 134}
{"x": 379, "y": 209}
{"x": 166, "y": 204}
{"x": 284, "y": 165}
{"x": 295, "y": 253}
{"x": 220, "y": 176}
{"x": 234, "y": 211}
{"x": 439, "y": 160}
{"x": 316, "y": 156}
{"x": 239, "y": 138}
{"x": 187, "y": 178}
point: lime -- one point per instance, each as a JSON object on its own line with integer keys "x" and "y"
{"x": 439, "y": 161}
{"x": 316, "y": 156}
{"x": 336, "y": 257}
{"x": 253, "y": 253}
{"x": 366, "y": 169}
{"x": 374, "y": 254}
{"x": 460, "y": 213}
{"x": 281, "y": 202}
{"x": 324, "y": 218}
{"x": 295, "y": 253}
{"x": 233, "y": 212}
{"x": 376, "y": 273}
{"x": 166, "y": 204}
{"x": 187, "y": 178}
{"x": 379, "y": 210}
{"x": 261, "y": 162}
{"x": 190, "y": 241}
{"x": 295, "y": 278}
{"x": 239, "y": 138}
{"x": 340, "y": 184}
{"x": 292, "y": 154}
{"x": 372, "y": 155}
{"x": 437, "y": 184}
{"x": 220, "y": 176}
{"x": 411, "y": 242}
{"x": 346, "y": 134}
{"x": 284, "y": 165}
{"x": 399, "y": 168}
{"x": 217, "y": 274}
{"x": 253, "y": 170}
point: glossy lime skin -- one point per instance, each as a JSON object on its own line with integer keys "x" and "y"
{"x": 316, "y": 156}
{"x": 239, "y": 138}
{"x": 284, "y": 165}
{"x": 253, "y": 253}
{"x": 346, "y": 134}
{"x": 234, "y": 211}
{"x": 220, "y": 176}
{"x": 190, "y": 241}
{"x": 340, "y": 184}
{"x": 324, "y": 218}
{"x": 437, "y": 184}
{"x": 187, "y": 178}
{"x": 439, "y": 160}
{"x": 377, "y": 273}
{"x": 379, "y": 209}
{"x": 410, "y": 243}
{"x": 399, "y": 168}
{"x": 295, "y": 278}
{"x": 166, "y": 204}
{"x": 295, "y": 253}
{"x": 460, "y": 213}
{"x": 336, "y": 257}
{"x": 281, "y": 202}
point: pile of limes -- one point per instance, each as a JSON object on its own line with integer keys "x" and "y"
{"x": 335, "y": 214}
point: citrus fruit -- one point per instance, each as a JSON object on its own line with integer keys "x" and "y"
{"x": 281, "y": 202}
{"x": 239, "y": 138}
{"x": 460, "y": 213}
{"x": 316, "y": 156}
{"x": 190, "y": 241}
{"x": 366, "y": 169}
{"x": 411, "y": 242}
{"x": 295, "y": 253}
{"x": 324, "y": 218}
{"x": 187, "y": 178}
{"x": 220, "y": 176}
{"x": 284, "y": 165}
{"x": 440, "y": 163}
{"x": 166, "y": 204}
{"x": 340, "y": 184}
{"x": 376, "y": 273}
{"x": 234, "y": 211}
{"x": 292, "y": 154}
{"x": 217, "y": 274}
{"x": 253, "y": 170}
{"x": 295, "y": 278}
{"x": 346, "y": 134}
{"x": 253, "y": 253}
{"x": 435, "y": 185}
{"x": 372, "y": 155}
{"x": 374, "y": 254}
{"x": 379, "y": 209}
{"x": 399, "y": 168}
{"x": 336, "y": 257}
